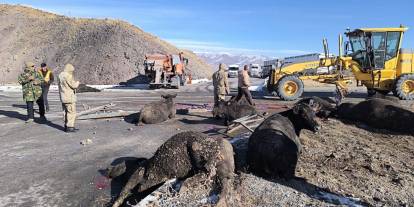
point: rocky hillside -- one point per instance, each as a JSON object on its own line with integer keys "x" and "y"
{"x": 102, "y": 51}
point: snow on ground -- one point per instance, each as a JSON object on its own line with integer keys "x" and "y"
{"x": 113, "y": 88}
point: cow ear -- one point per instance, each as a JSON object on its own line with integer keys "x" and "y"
{"x": 173, "y": 95}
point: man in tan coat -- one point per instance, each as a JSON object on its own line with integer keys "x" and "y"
{"x": 244, "y": 83}
{"x": 67, "y": 92}
{"x": 221, "y": 84}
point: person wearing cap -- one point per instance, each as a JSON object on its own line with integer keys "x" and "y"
{"x": 67, "y": 91}
{"x": 31, "y": 82}
{"x": 48, "y": 77}
{"x": 244, "y": 83}
{"x": 221, "y": 84}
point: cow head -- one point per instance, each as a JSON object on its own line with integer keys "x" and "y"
{"x": 305, "y": 117}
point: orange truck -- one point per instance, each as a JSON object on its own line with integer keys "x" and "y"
{"x": 166, "y": 70}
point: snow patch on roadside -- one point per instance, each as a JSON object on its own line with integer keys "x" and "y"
{"x": 197, "y": 81}
{"x": 338, "y": 199}
{"x": 259, "y": 88}
{"x": 18, "y": 88}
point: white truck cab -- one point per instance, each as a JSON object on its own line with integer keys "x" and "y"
{"x": 255, "y": 71}
{"x": 233, "y": 71}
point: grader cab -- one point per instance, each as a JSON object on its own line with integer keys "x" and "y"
{"x": 373, "y": 57}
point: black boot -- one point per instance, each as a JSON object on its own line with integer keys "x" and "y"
{"x": 71, "y": 129}
{"x": 43, "y": 119}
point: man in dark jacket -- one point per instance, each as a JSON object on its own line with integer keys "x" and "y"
{"x": 244, "y": 83}
{"x": 48, "y": 77}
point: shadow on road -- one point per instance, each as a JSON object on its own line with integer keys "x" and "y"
{"x": 22, "y": 106}
{"x": 132, "y": 118}
{"x": 23, "y": 117}
{"x": 13, "y": 114}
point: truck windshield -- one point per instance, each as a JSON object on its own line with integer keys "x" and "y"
{"x": 233, "y": 68}
{"x": 359, "y": 50}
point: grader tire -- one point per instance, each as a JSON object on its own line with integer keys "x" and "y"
{"x": 289, "y": 88}
{"x": 404, "y": 87}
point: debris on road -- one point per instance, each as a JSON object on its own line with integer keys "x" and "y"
{"x": 106, "y": 115}
{"x": 248, "y": 122}
{"x": 86, "y": 142}
{"x": 95, "y": 109}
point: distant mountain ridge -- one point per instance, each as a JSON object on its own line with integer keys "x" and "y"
{"x": 214, "y": 59}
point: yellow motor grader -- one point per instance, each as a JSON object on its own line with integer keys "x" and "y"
{"x": 373, "y": 57}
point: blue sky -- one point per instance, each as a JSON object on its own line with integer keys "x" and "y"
{"x": 272, "y": 28}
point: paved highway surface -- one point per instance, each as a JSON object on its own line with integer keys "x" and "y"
{"x": 43, "y": 166}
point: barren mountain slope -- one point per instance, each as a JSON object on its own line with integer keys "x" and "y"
{"x": 103, "y": 51}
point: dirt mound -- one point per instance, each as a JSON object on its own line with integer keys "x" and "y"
{"x": 374, "y": 165}
{"x": 102, "y": 51}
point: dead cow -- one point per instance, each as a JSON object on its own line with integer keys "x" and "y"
{"x": 321, "y": 106}
{"x": 157, "y": 112}
{"x": 379, "y": 113}
{"x": 232, "y": 110}
{"x": 274, "y": 146}
{"x": 182, "y": 156}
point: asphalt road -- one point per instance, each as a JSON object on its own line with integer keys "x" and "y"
{"x": 43, "y": 166}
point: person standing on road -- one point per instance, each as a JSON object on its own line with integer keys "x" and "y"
{"x": 244, "y": 83}
{"x": 48, "y": 79}
{"x": 31, "y": 82}
{"x": 221, "y": 84}
{"x": 67, "y": 91}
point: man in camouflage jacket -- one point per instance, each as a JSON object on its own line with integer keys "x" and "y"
{"x": 221, "y": 84}
{"x": 31, "y": 82}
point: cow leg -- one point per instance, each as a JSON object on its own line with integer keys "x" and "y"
{"x": 135, "y": 179}
{"x": 171, "y": 116}
{"x": 139, "y": 122}
{"x": 225, "y": 174}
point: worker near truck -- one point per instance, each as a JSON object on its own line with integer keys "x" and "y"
{"x": 221, "y": 84}
{"x": 48, "y": 77}
{"x": 244, "y": 83}
{"x": 179, "y": 70}
{"x": 67, "y": 91}
{"x": 31, "y": 82}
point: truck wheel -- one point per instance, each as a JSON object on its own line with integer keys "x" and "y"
{"x": 289, "y": 87}
{"x": 404, "y": 87}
